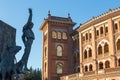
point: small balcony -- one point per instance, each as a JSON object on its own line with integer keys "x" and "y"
{"x": 109, "y": 70}
{"x": 102, "y": 71}
{"x": 106, "y": 54}
{"x": 100, "y": 56}
{"x": 89, "y": 73}
{"x": 88, "y": 59}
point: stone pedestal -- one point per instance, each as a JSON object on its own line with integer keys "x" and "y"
{"x": 18, "y": 77}
{"x": 7, "y": 36}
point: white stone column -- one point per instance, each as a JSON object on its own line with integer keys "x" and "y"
{"x": 94, "y": 49}
{"x": 81, "y": 53}
{"x": 111, "y": 42}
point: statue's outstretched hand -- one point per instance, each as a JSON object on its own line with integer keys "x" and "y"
{"x": 30, "y": 10}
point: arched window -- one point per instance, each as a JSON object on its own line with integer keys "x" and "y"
{"x": 99, "y": 49}
{"x": 45, "y": 67}
{"x": 118, "y": 44}
{"x": 101, "y": 30}
{"x": 83, "y": 38}
{"x": 116, "y": 26}
{"x": 45, "y": 51}
{"x": 59, "y": 35}
{"x": 86, "y": 36}
{"x": 59, "y": 51}
{"x": 106, "y": 48}
{"x": 107, "y": 64}
{"x": 90, "y": 35}
{"x": 97, "y": 32}
{"x": 100, "y": 65}
{"x": 54, "y": 34}
{"x": 118, "y": 62}
{"x": 90, "y": 52}
{"x": 85, "y": 54}
{"x": 64, "y": 35}
{"x": 78, "y": 69}
{"x": 90, "y": 67}
{"x": 106, "y": 29}
{"x": 86, "y": 68}
{"x": 59, "y": 68}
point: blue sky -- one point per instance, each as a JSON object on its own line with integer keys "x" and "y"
{"x": 15, "y": 13}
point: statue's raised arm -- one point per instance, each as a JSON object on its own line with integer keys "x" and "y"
{"x": 30, "y": 16}
{"x": 29, "y": 22}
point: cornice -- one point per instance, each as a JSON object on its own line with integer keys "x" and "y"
{"x": 109, "y": 14}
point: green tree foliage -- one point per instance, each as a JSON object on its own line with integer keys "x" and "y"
{"x": 33, "y": 74}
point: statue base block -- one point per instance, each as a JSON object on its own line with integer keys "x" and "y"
{"x": 18, "y": 77}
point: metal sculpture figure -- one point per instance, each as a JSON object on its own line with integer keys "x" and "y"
{"x": 27, "y": 38}
{"x": 7, "y": 64}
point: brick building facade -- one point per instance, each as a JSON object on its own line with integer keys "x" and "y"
{"x": 57, "y": 47}
{"x": 97, "y": 41}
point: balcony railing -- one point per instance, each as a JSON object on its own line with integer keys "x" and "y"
{"x": 88, "y": 59}
{"x": 108, "y": 70}
{"x": 102, "y": 71}
{"x": 89, "y": 73}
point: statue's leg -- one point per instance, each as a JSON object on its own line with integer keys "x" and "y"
{"x": 26, "y": 58}
{"x": 27, "y": 53}
{"x": 27, "y": 50}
